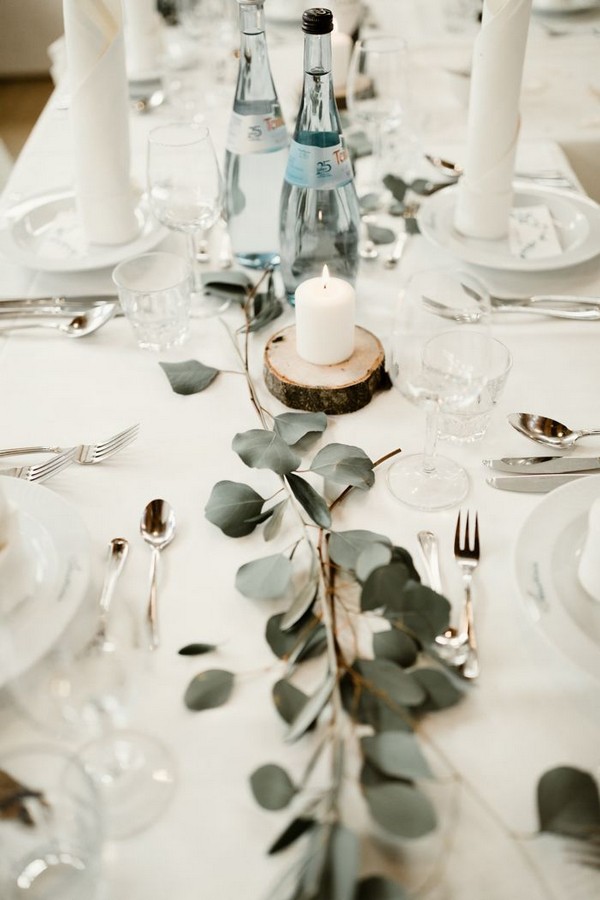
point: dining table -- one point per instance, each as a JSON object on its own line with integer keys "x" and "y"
{"x": 536, "y": 703}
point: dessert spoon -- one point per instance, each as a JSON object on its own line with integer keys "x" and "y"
{"x": 157, "y": 527}
{"x": 548, "y": 431}
{"x": 117, "y": 554}
{"x": 80, "y": 325}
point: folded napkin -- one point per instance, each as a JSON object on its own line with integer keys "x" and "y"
{"x": 99, "y": 115}
{"x": 485, "y": 191}
{"x": 589, "y": 563}
{"x": 143, "y": 38}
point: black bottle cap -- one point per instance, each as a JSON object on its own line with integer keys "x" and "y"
{"x": 317, "y": 20}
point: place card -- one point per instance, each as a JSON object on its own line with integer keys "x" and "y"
{"x": 532, "y": 233}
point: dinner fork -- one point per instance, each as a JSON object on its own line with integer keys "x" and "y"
{"x": 85, "y": 454}
{"x": 466, "y": 555}
{"x": 43, "y": 470}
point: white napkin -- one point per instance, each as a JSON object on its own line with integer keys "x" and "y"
{"x": 143, "y": 38}
{"x": 485, "y": 191}
{"x": 99, "y": 114}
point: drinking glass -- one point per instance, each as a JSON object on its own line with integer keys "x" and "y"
{"x": 438, "y": 359}
{"x": 186, "y": 192}
{"x": 377, "y": 93}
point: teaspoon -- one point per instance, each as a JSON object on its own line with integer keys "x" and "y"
{"x": 157, "y": 527}
{"x": 80, "y": 325}
{"x": 548, "y": 431}
{"x": 452, "y": 644}
{"x": 117, "y": 554}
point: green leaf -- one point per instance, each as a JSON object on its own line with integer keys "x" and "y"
{"x": 311, "y": 710}
{"x": 440, "y": 689}
{"x": 396, "y": 754}
{"x": 399, "y": 554}
{"x": 272, "y": 527}
{"x": 568, "y": 802}
{"x": 385, "y": 677}
{"x": 234, "y": 507}
{"x": 310, "y": 500}
{"x": 421, "y": 610}
{"x": 341, "y": 865}
{"x": 292, "y": 427}
{"x": 369, "y": 202}
{"x": 411, "y": 225}
{"x": 370, "y": 708}
{"x": 377, "y": 888}
{"x": 289, "y": 835}
{"x": 272, "y": 787}
{"x": 346, "y": 546}
{"x": 384, "y": 586}
{"x": 196, "y": 649}
{"x": 301, "y": 640}
{"x": 209, "y": 689}
{"x": 302, "y": 602}
{"x": 401, "y": 809}
{"x": 288, "y": 699}
{"x": 261, "y": 449}
{"x": 344, "y": 464}
{"x": 266, "y": 308}
{"x": 396, "y": 186}
{"x": 266, "y": 578}
{"x": 234, "y": 284}
{"x": 372, "y": 557}
{"x": 189, "y": 377}
{"x": 380, "y": 235}
{"x": 397, "y": 646}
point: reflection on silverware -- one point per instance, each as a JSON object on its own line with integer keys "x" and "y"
{"x": 559, "y": 307}
{"x": 58, "y": 303}
{"x": 451, "y": 646}
{"x": 85, "y": 454}
{"x": 543, "y": 465}
{"x": 548, "y": 431}
{"x": 82, "y": 324}
{"x": 42, "y": 471}
{"x": 395, "y": 255}
{"x": 117, "y": 554}
{"x": 146, "y": 103}
{"x": 533, "y": 484}
{"x": 453, "y": 171}
{"x": 466, "y": 554}
{"x": 157, "y": 527}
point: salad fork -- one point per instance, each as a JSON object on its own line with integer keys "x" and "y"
{"x": 43, "y": 470}
{"x": 85, "y": 454}
{"x": 467, "y": 556}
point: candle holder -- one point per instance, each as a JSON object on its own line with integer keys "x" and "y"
{"x": 336, "y": 389}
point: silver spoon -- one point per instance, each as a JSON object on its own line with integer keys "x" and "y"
{"x": 451, "y": 645}
{"x": 117, "y": 554}
{"x": 548, "y": 431}
{"x": 394, "y": 257}
{"x": 80, "y": 325}
{"x": 157, "y": 527}
{"x": 147, "y": 102}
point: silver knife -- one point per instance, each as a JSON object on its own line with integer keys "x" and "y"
{"x": 533, "y": 484}
{"x": 543, "y": 465}
{"x": 57, "y": 302}
{"x": 562, "y": 306}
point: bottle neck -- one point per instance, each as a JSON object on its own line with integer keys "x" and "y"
{"x": 317, "y": 55}
{"x": 252, "y": 19}
{"x": 255, "y": 82}
{"x": 318, "y": 109}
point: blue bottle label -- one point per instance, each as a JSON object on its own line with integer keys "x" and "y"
{"x": 324, "y": 168}
{"x": 256, "y": 133}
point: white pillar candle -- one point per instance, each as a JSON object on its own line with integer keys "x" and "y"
{"x": 325, "y": 320}
{"x": 341, "y": 51}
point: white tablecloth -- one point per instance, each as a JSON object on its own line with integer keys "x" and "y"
{"x": 533, "y": 708}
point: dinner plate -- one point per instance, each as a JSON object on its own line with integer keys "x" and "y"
{"x": 547, "y": 555}
{"x": 55, "y": 547}
{"x": 575, "y": 216}
{"x": 44, "y": 232}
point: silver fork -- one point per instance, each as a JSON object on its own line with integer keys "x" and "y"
{"x": 85, "y": 454}
{"x": 466, "y": 555}
{"x": 42, "y": 470}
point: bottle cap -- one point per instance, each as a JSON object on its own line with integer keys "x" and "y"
{"x": 317, "y": 20}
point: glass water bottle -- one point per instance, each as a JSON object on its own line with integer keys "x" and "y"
{"x": 257, "y": 148}
{"x": 320, "y": 214}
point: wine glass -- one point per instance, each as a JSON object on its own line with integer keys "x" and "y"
{"x": 438, "y": 359}
{"x": 377, "y": 93}
{"x": 186, "y": 192}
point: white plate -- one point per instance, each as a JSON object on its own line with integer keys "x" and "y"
{"x": 45, "y": 233}
{"x": 56, "y": 544}
{"x": 560, "y": 7}
{"x": 547, "y": 557}
{"x": 576, "y": 219}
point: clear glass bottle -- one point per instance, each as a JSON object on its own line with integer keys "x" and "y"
{"x": 320, "y": 214}
{"x": 257, "y": 148}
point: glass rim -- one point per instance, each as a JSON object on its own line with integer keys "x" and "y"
{"x": 196, "y": 132}
{"x": 168, "y": 286}
{"x": 476, "y": 336}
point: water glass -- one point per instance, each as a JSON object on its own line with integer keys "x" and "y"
{"x": 53, "y": 849}
{"x": 154, "y": 290}
{"x": 470, "y": 423}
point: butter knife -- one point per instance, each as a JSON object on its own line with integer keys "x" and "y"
{"x": 534, "y": 484}
{"x": 543, "y": 465}
{"x": 561, "y": 306}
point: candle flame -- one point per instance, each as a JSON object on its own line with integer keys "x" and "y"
{"x": 325, "y": 276}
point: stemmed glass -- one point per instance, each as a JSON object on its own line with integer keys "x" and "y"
{"x": 438, "y": 359}
{"x": 186, "y": 192}
{"x": 377, "y": 94}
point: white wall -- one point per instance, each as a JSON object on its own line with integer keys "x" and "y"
{"x": 27, "y": 27}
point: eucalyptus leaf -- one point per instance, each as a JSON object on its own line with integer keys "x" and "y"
{"x": 377, "y": 888}
{"x": 234, "y": 507}
{"x": 234, "y": 284}
{"x": 189, "y": 377}
{"x": 346, "y": 546}
{"x": 302, "y": 642}
{"x": 270, "y": 309}
{"x": 196, "y": 649}
{"x": 370, "y": 708}
{"x": 383, "y": 586}
{"x": 266, "y": 578}
{"x": 341, "y": 865}
{"x": 380, "y": 235}
{"x": 400, "y": 554}
{"x": 372, "y": 557}
{"x": 310, "y": 500}
{"x": 369, "y": 202}
{"x": 568, "y": 802}
{"x": 292, "y": 427}
{"x": 411, "y": 225}
{"x": 272, "y": 527}
{"x": 344, "y": 464}
{"x": 288, "y": 699}
{"x": 311, "y": 710}
{"x": 396, "y": 186}
{"x": 262, "y": 449}
{"x": 396, "y": 754}
{"x": 397, "y": 646}
{"x": 290, "y": 834}
{"x": 272, "y": 787}
{"x": 421, "y": 610}
{"x": 401, "y": 809}
{"x": 302, "y": 602}
{"x": 385, "y": 677}
{"x": 441, "y": 691}
{"x": 209, "y": 689}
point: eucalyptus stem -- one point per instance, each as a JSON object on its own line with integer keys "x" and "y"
{"x": 350, "y": 487}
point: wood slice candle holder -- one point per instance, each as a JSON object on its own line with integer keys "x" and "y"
{"x": 342, "y": 388}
